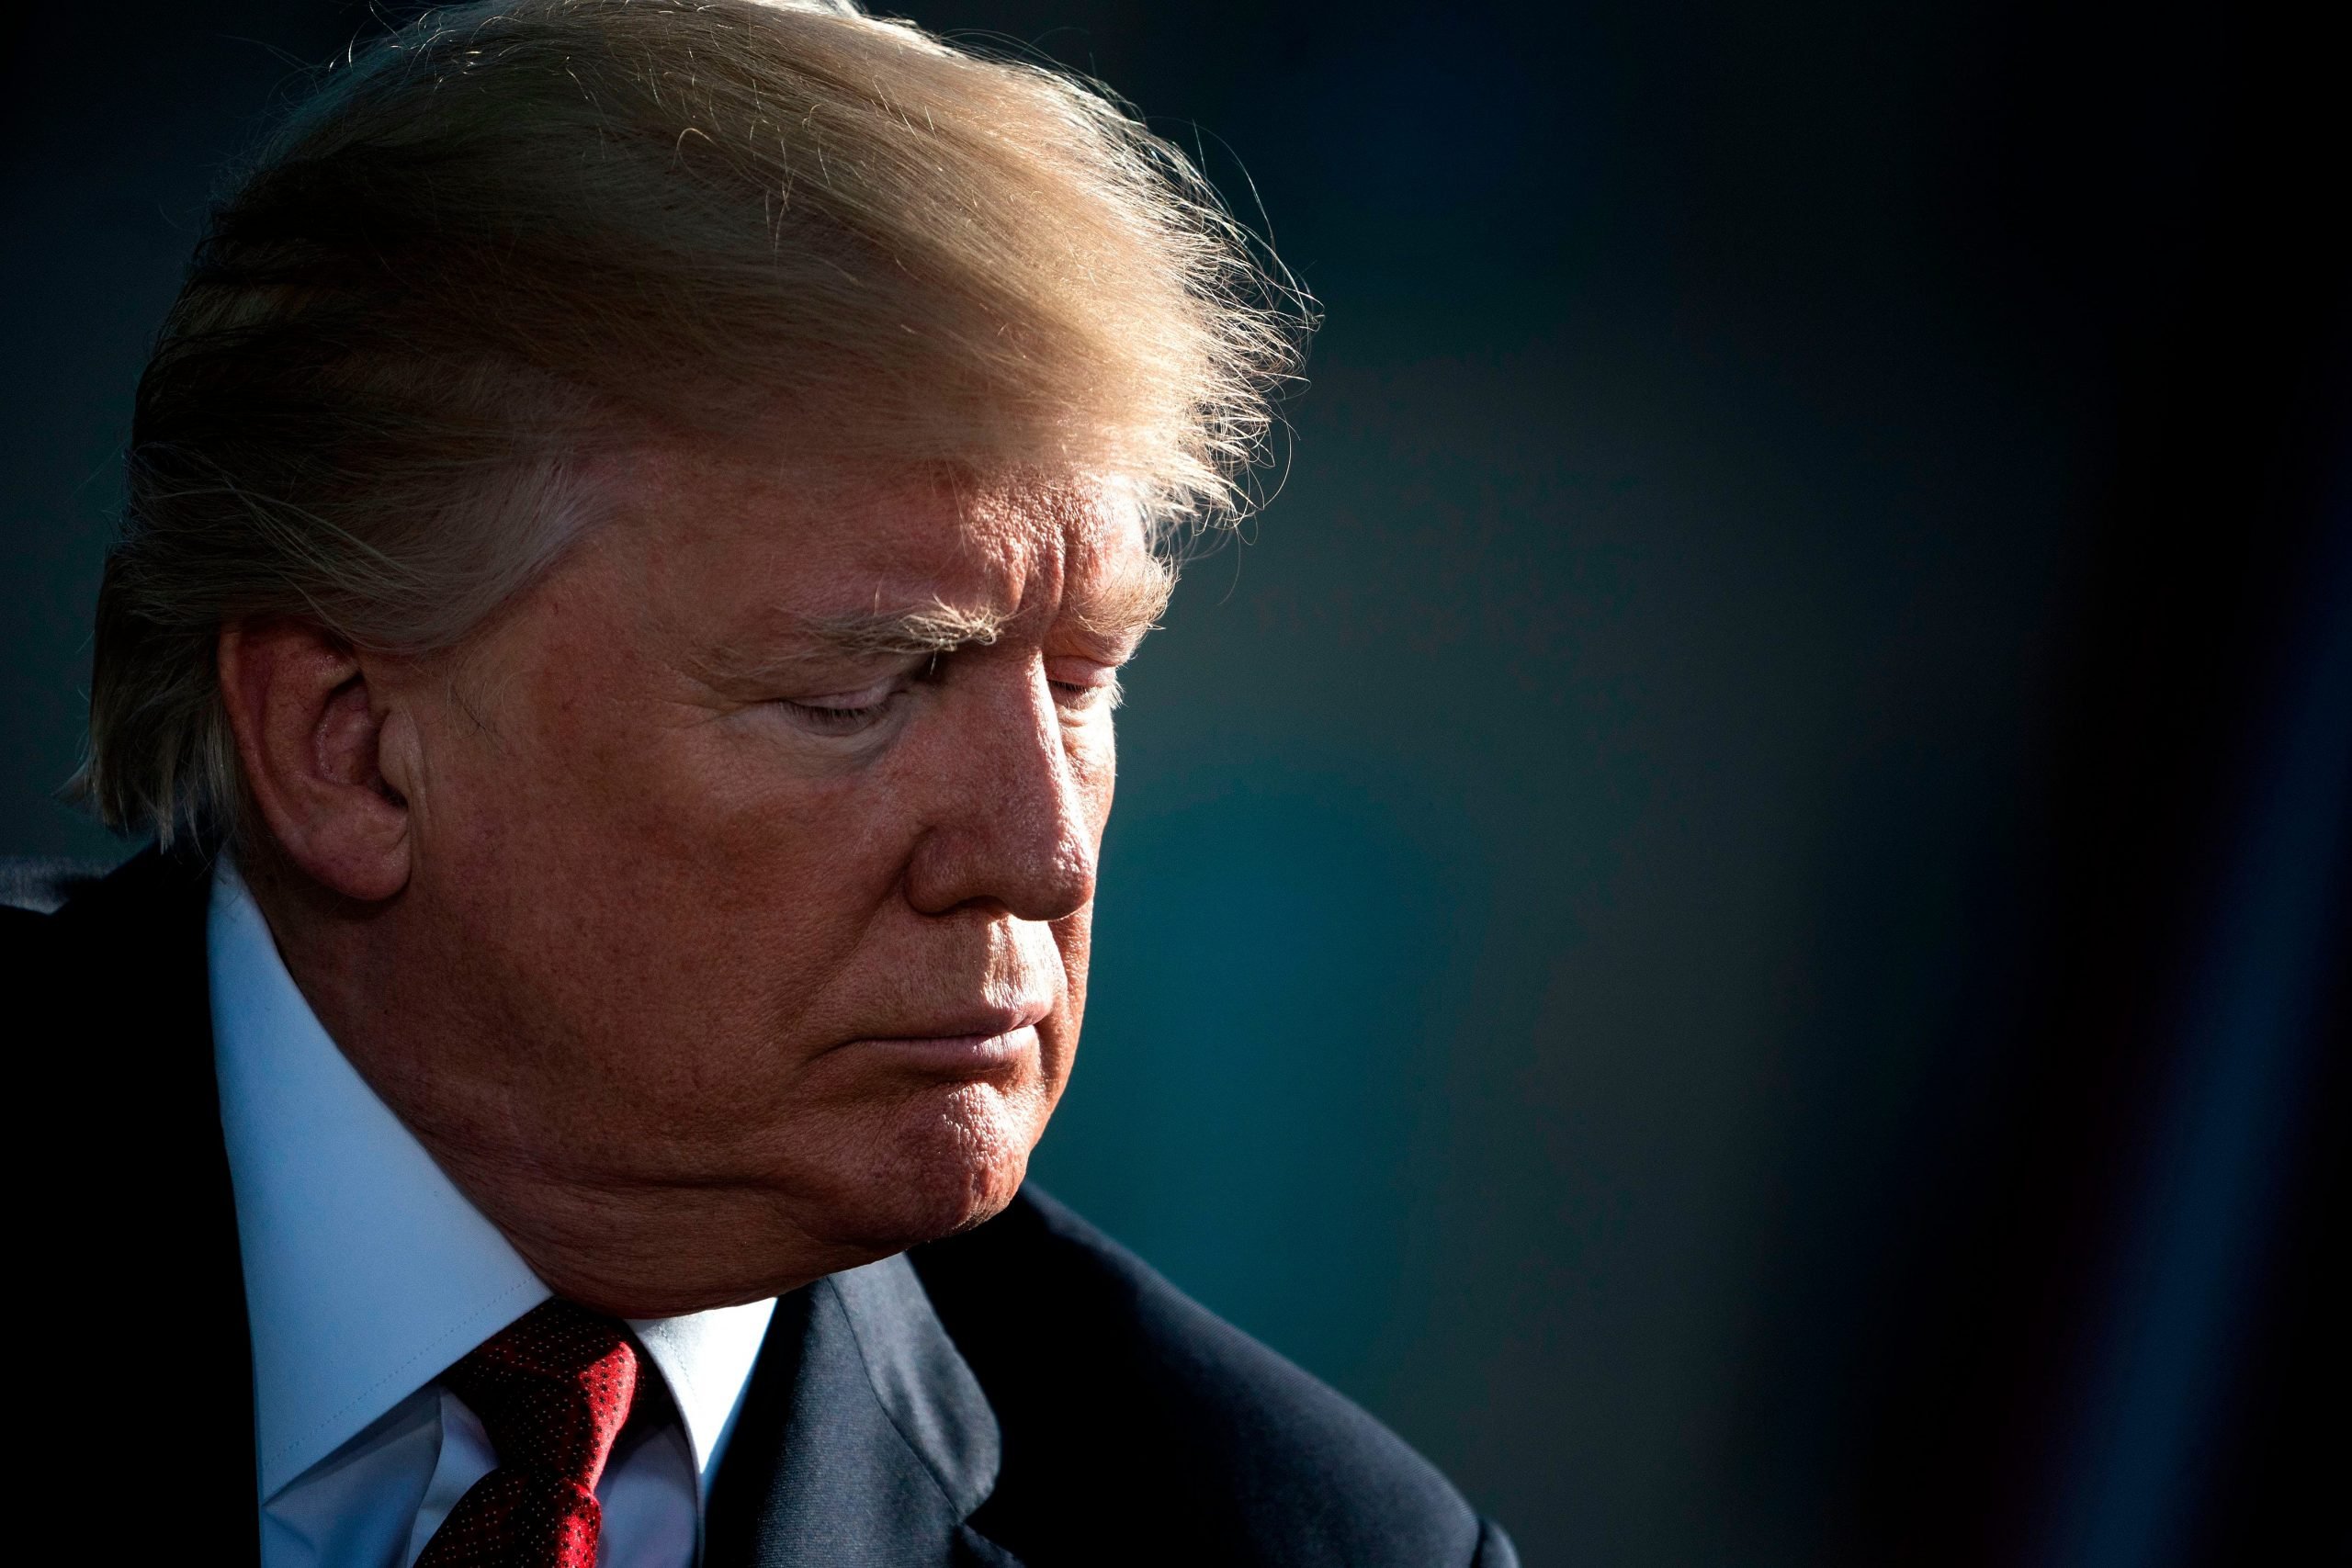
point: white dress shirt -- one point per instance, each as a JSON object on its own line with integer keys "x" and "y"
{"x": 367, "y": 1273}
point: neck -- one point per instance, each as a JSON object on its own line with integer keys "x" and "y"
{"x": 630, "y": 1242}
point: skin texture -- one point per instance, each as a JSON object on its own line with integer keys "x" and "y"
{"x": 717, "y": 916}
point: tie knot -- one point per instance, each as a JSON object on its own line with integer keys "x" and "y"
{"x": 553, "y": 1390}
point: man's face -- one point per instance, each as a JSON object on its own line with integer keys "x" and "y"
{"x": 757, "y": 844}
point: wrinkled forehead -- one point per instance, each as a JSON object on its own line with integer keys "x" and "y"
{"x": 730, "y": 535}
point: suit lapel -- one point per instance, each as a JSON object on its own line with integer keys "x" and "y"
{"x": 865, "y": 1441}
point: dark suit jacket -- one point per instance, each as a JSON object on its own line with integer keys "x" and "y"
{"x": 1027, "y": 1393}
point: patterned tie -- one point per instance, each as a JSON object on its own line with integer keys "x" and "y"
{"x": 552, "y": 1389}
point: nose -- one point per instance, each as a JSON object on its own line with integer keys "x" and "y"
{"x": 1016, "y": 806}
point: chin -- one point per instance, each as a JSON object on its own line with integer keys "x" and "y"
{"x": 945, "y": 1160}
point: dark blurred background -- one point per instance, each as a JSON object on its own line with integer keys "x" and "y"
{"x": 1734, "y": 914}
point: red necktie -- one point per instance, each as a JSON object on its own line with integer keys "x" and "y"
{"x": 553, "y": 1390}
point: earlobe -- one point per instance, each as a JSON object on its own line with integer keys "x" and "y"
{"x": 310, "y": 735}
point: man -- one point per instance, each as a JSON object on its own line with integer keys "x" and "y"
{"x": 633, "y": 525}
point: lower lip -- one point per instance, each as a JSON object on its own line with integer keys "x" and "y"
{"x": 958, "y": 1055}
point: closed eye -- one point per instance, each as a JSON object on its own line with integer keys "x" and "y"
{"x": 1083, "y": 685}
{"x": 837, "y": 720}
{"x": 1105, "y": 693}
{"x": 844, "y": 713}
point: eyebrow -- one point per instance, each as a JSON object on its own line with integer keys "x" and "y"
{"x": 1119, "y": 610}
{"x": 1114, "y": 612}
{"x": 932, "y": 628}
{"x": 1123, "y": 608}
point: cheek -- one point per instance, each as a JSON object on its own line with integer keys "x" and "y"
{"x": 635, "y": 882}
{"x": 661, "y": 795}
{"x": 1057, "y": 1038}
{"x": 1074, "y": 941}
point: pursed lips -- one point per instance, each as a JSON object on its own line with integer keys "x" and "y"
{"x": 980, "y": 1022}
{"x": 963, "y": 1043}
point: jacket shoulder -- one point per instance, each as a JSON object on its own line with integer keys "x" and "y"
{"x": 108, "y": 994}
{"x": 35, "y": 944}
{"x": 77, "y": 937}
{"x": 31, "y": 891}
{"x": 33, "y": 885}
{"x": 1136, "y": 1422}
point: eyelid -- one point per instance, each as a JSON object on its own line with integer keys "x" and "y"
{"x": 1079, "y": 670}
{"x": 868, "y": 696}
{"x": 1098, "y": 689}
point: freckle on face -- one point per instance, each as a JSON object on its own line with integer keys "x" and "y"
{"x": 696, "y": 924}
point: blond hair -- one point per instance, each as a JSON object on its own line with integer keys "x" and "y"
{"x": 509, "y": 231}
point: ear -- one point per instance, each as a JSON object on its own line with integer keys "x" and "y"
{"x": 311, "y": 734}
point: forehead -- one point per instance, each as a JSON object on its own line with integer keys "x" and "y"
{"x": 735, "y": 534}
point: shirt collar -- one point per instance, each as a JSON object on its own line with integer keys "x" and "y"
{"x": 367, "y": 1270}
